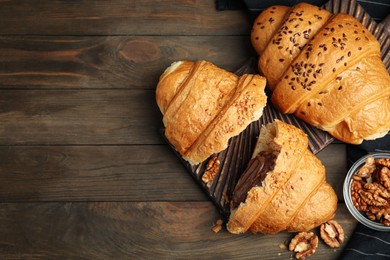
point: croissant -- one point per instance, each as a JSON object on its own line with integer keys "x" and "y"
{"x": 203, "y": 106}
{"x": 325, "y": 69}
{"x": 283, "y": 186}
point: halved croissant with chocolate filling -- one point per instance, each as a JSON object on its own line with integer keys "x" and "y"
{"x": 204, "y": 106}
{"x": 283, "y": 186}
{"x": 325, "y": 69}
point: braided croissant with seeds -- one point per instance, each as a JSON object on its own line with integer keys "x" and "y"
{"x": 325, "y": 69}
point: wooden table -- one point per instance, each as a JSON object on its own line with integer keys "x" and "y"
{"x": 84, "y": 171}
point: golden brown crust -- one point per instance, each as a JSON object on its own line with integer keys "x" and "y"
{"x": 318, "y": 209}
{"x": 297, "y": 178}
{"x": 265, "y": 26}
{"x": 305, "y": 179}
{"x": 244, "y": 107}
{"x": 334, "y": 50}
{"x": 204, "y": 106}
{"x": 300, "y": 25}
{"x": 167, "y": 90}
{"x": 332, "y": 78}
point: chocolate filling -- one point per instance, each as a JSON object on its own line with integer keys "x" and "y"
{"x": 253, "y": 175}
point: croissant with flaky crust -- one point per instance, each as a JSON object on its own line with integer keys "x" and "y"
{"x": 283, "y": 186}
{"x": 325, "y": 69}
{"x": 204, "y": 106}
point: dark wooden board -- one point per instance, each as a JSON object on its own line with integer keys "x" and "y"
{"x": 58, "y": 62}
{"x": 144, "y": 230}
{"x": 119, "y": 17}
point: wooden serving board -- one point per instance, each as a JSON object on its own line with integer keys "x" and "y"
{"x": 234, "y": 159}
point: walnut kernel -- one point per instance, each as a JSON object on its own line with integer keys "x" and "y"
{"x": 332, "y": 233}
{"x": 304, "y": 244}
{"x": 217, "y": 226}
{"x": 370, "y": 190}
{"x": 367, "y": 169}
{"x": 212, "y": 169}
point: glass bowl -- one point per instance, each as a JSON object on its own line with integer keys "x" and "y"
{"x": 359, "y": 215}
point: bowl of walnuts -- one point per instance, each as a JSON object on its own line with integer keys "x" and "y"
{"x": 366, "y": 191}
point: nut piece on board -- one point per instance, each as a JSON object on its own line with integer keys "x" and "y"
{"x": 211, "y": 170}
{"x": 332, "y": 233}
{"x": 304, "y": 244}
{"x": 217, "y": 226}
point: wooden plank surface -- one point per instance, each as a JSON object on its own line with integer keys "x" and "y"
{"x": 84, "y": 170}
{"x": 58, "y": 62}
{"x": 140, "y": 230}
{"x": 112, "y": 173}
{"x": 118, "y": 17}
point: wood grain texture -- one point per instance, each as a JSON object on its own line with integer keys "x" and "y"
{"x": 111, "y": 173}
{"x": 84, "y": 170}
{"x": 79, "y": 117}
{"x": 130, "y": 62}
{"x": 94, "y": 173}
{"x": 144, "y": 230}
{"x": 118, "y": 17}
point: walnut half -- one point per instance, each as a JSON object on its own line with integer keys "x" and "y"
{"x": 332, "y": 233}
{"x": 212, "y": 169}
{"x": 304, "y": 244}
